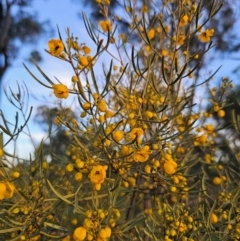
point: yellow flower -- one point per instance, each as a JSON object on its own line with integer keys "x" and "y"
{"x": 214, "y": 218}
{"x": 60, "y": 91}
{"x": 151, "y": 34}
{"x": 88, "y": 223}
{"x": 89, "y": 237}
{"x": 148, "y": 114}
{"x": 167, "y": 157}
{"x": 102, "y": 233}
{"x": 78, "y": 176}
{"x": 101, "y": 118}
{"x": 148, "y": 169}
{"x": 83, "y": 61}
{"x": 184, "y": 20}
{"x": 142, "y": 154}
{"x": 15, "y": 175}
{"x": 67, "y": 238}
{"x": 170, "y": 167}
{"x": 221, "y": 113}
{"x": 117, "y": 135}
{"x": 1, "y": 152}
{"x": 97, "y": 186}
{"x": 2, "y": 190}
{"x": 108, "y": 232}
{"x": 74, "y": 221}
{"x": 181, "y": 39}
{"x": 131, "y": 115}
{"x": 55, "y": 47}
{"x": 109, "y": 114}
{"x": 194, "y": 7}
{"x": 156, "y": 163}
{"x": 136, "y": 133}
{"x": 97, "y": 174}
{"x": 57, "y": 120}
{"x": 83, "y": 114}
{"x": 164, "y": 53}
{"x": 145, "y": 9}
{"x": 181, "y": 226}
{"x": 126, "y": 150}
{"x": 95, "y": 96}
{"x": 87, "y": 106}
{"x": 79, "y": 234}
{"x": 79, "y": 163}
{"x": 10, "y": 189}
{"x": 86, "y": 50}
{"x": 102, "y": 106}
{"x": 74, "y": 79}
{"x": 201, "y": 140}
{"x": 105, "y": 25}
{"x": 6, "y": 190}
{"x": 206, "y": 35}
{"x": 209, "y": 128}
{"x": 70, "y": 167}
{"x": 173, "y": 189}
{"x": 217, "y": 181}
{"x": 148, "y": 49}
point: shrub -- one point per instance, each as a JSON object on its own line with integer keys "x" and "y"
{"x": 142, "y": 158}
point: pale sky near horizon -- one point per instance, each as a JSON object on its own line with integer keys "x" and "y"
{"x": 64, "y": 14}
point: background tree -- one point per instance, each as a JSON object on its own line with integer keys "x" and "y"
{"x": 228, "y": 141}
{"x": 47, "y": 119}
{"x": 18, "y": 26}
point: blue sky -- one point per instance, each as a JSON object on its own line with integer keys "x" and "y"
{"x": 64, "y": 14}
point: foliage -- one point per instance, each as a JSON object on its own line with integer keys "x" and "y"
{"x": 142, "y": 159}
{"x": 225, "y": 34}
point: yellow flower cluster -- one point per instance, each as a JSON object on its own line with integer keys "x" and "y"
{"x": 106, "y": 25}
{"x": 136, "y": 134}
{"x": 184, "y": 20}
{"x": 206, "y": 133}
{"x": 213, "y": 218}
{"x": 151, "y": 34}
{"x": 60, "y": 91}
{"x": 142, "y": 154}
{"x": 6, "y": 190}
{"x": 170, "y": 165}
{"x": 104, "y": 233}
{"x": 55, "y": 47}
{"x": 206, "y": 35}
{"x": 97, "y": 176}
{"x": 79, "y": 234}
{"x": 92, "y": 228}
{"x": 118, "y": 135}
